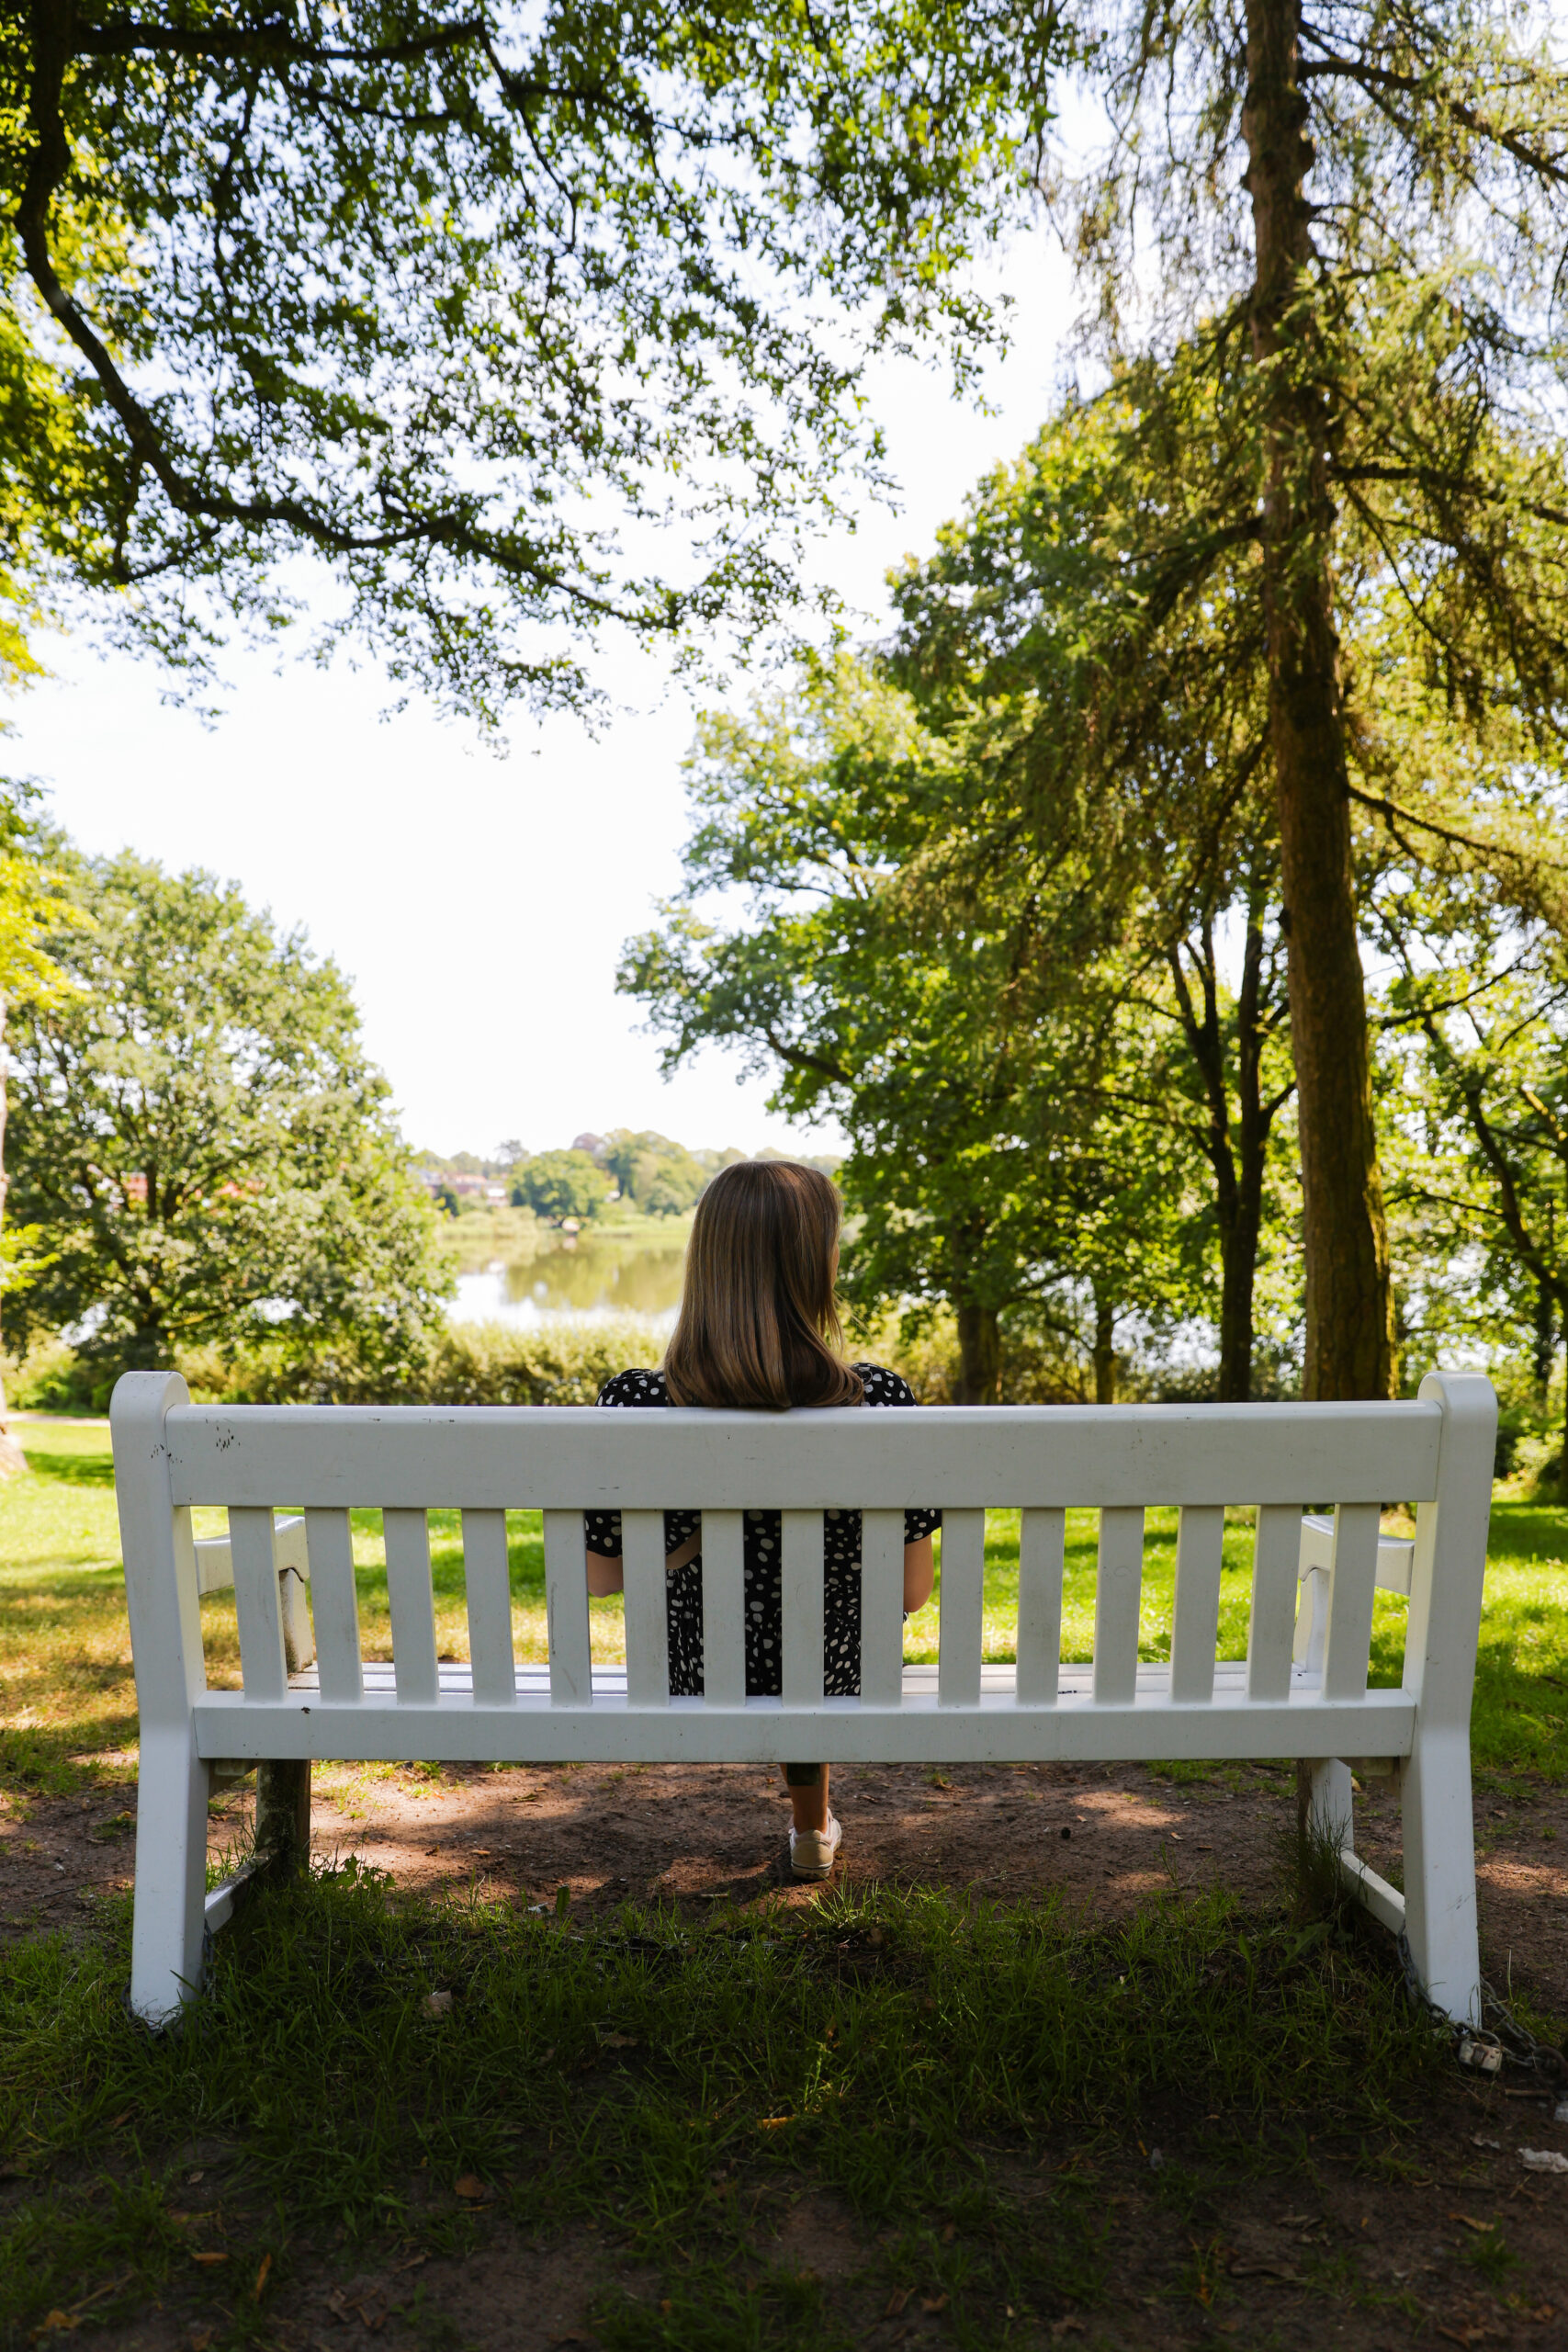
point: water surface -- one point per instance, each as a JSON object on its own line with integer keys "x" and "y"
{"x": 589, "y": 1279}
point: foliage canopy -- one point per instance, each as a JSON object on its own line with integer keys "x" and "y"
{"x": 197, "y": 1133}
{"x": 443, "y": 296}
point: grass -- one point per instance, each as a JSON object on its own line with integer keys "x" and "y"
{"x": 673, "y": 2084}
{"x": 68, "y": 1702}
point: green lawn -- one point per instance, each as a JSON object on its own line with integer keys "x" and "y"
{"x": 66, "y": 1695}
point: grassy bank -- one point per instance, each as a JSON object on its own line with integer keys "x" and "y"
{"x": 66, "y": 1695}
{"x": 979, "y": 2093}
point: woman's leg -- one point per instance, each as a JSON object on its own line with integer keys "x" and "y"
{"x": 808, "y": 1786}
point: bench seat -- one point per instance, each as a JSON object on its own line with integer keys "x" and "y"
{"x": 919, "y": 1729}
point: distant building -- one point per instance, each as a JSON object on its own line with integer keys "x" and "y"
{"x": 436, "y": 1180}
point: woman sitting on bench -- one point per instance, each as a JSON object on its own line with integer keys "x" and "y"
{"x": 759, "y": 1328}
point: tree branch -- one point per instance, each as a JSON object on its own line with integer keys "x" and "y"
{"x": 264, "y": 43}
{"x": 47, "y": 166}
{"x": 1423, "y": 91}
{"x": 1392, "y": 810}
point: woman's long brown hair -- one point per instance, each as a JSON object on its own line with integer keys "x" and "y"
{"x": 759, "y": 1323}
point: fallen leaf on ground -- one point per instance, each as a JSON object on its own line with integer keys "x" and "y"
{"x": 935, "y": 2302}
{"x": 896, "y": 2300}
{"x": 261, "y": 2277}
{"x": 1542, "y": 2160}
{"x": 210, "y": 2258}
{"x": 617, "y": 2041}
{"x": 1071, "y": 2325}
{"x": 1470, "y": 2222}
{"x": 469, "y": 2185}
{"x": 438, "y": 2005}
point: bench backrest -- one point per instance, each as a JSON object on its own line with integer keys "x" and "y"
{"x": 325, "y": 1461}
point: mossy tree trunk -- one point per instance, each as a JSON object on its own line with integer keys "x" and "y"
{"x": 1350, "y": 1322}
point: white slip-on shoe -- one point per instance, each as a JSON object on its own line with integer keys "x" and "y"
{"x": 813, "y": 1852}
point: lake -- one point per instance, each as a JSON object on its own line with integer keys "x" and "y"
{"x": 591, "y": 1278}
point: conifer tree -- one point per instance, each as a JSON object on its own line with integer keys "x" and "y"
{"x": 1352, "y": 220}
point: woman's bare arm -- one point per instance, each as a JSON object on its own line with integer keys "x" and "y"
{"x": 920, "y": 1573}
{"x": 607, "y": 1574}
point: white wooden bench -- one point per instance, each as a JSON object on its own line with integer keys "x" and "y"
{"x": 1300, "y": 1693}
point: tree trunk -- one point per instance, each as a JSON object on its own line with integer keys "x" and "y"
{"x": 1545, "y": 1349}
{"x": 1350, "y": 1322}
{"x": 283, "y": 1814}
{"x": 12, "y": 1458}
{"x": 1236, "y": 1150}
{"x": 1238, "y": 1277}
{"x": 1255, "y": 1118}
{"x": 1105, "y": 1352}
{"x": 979, "y": 1355}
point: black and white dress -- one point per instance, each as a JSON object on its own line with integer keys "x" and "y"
{"x": 763, "y": 1538}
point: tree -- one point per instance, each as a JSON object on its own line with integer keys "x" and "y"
{"x": 1388, "y": 365}
{"x": 30, "y": 910}
{"x": 202, "y": 1143}
{"x": 656, "y": 1175}
{"x": 1129, "y": 740}
{"x": 559, "y": 1185}
{"x": 1476, "y": 1024}
{"x": 428, "y": 294}
{"x": 983, "y": 1173}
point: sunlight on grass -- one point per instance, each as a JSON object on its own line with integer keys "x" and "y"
{"x": 67, "y": 1697}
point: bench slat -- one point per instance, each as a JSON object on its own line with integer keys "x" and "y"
{"x": 1118, "y": 1591}
{"x": 1195, "y": 1624}
{"x": 559, "y": 1457}
{"x": 1041, "y": 1550}
{"x": 962, "y": 1608}
{"x": 881, "y": 1608}
{"x": 411, "y": 1601}
{"x": 335, "y": 1603}
{"x": 566, "y": 1610}
{"x": 648, "y": 1629}
{"x": 723, "y": 1608}
{"x": 803, "y": 1612}
{"x": 487, "y": 1581}
{"x": 1354, "y": 1580}
{"x": 1272, "y": 1631}
{"x": 257, "y": 1605}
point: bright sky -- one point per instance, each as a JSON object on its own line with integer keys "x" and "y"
{"x": 479, "y": 903}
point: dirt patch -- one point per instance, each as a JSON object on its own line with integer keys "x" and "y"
{"x": 1104, "y": 1839}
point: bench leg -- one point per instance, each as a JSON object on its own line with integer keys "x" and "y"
{"x": 283, "y": 1814}
{"x": 1439, "y": 1872}
{"x": 171, "y": 1786}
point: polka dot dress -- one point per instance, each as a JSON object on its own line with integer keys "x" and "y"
{"x": 763, "y": 1538}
